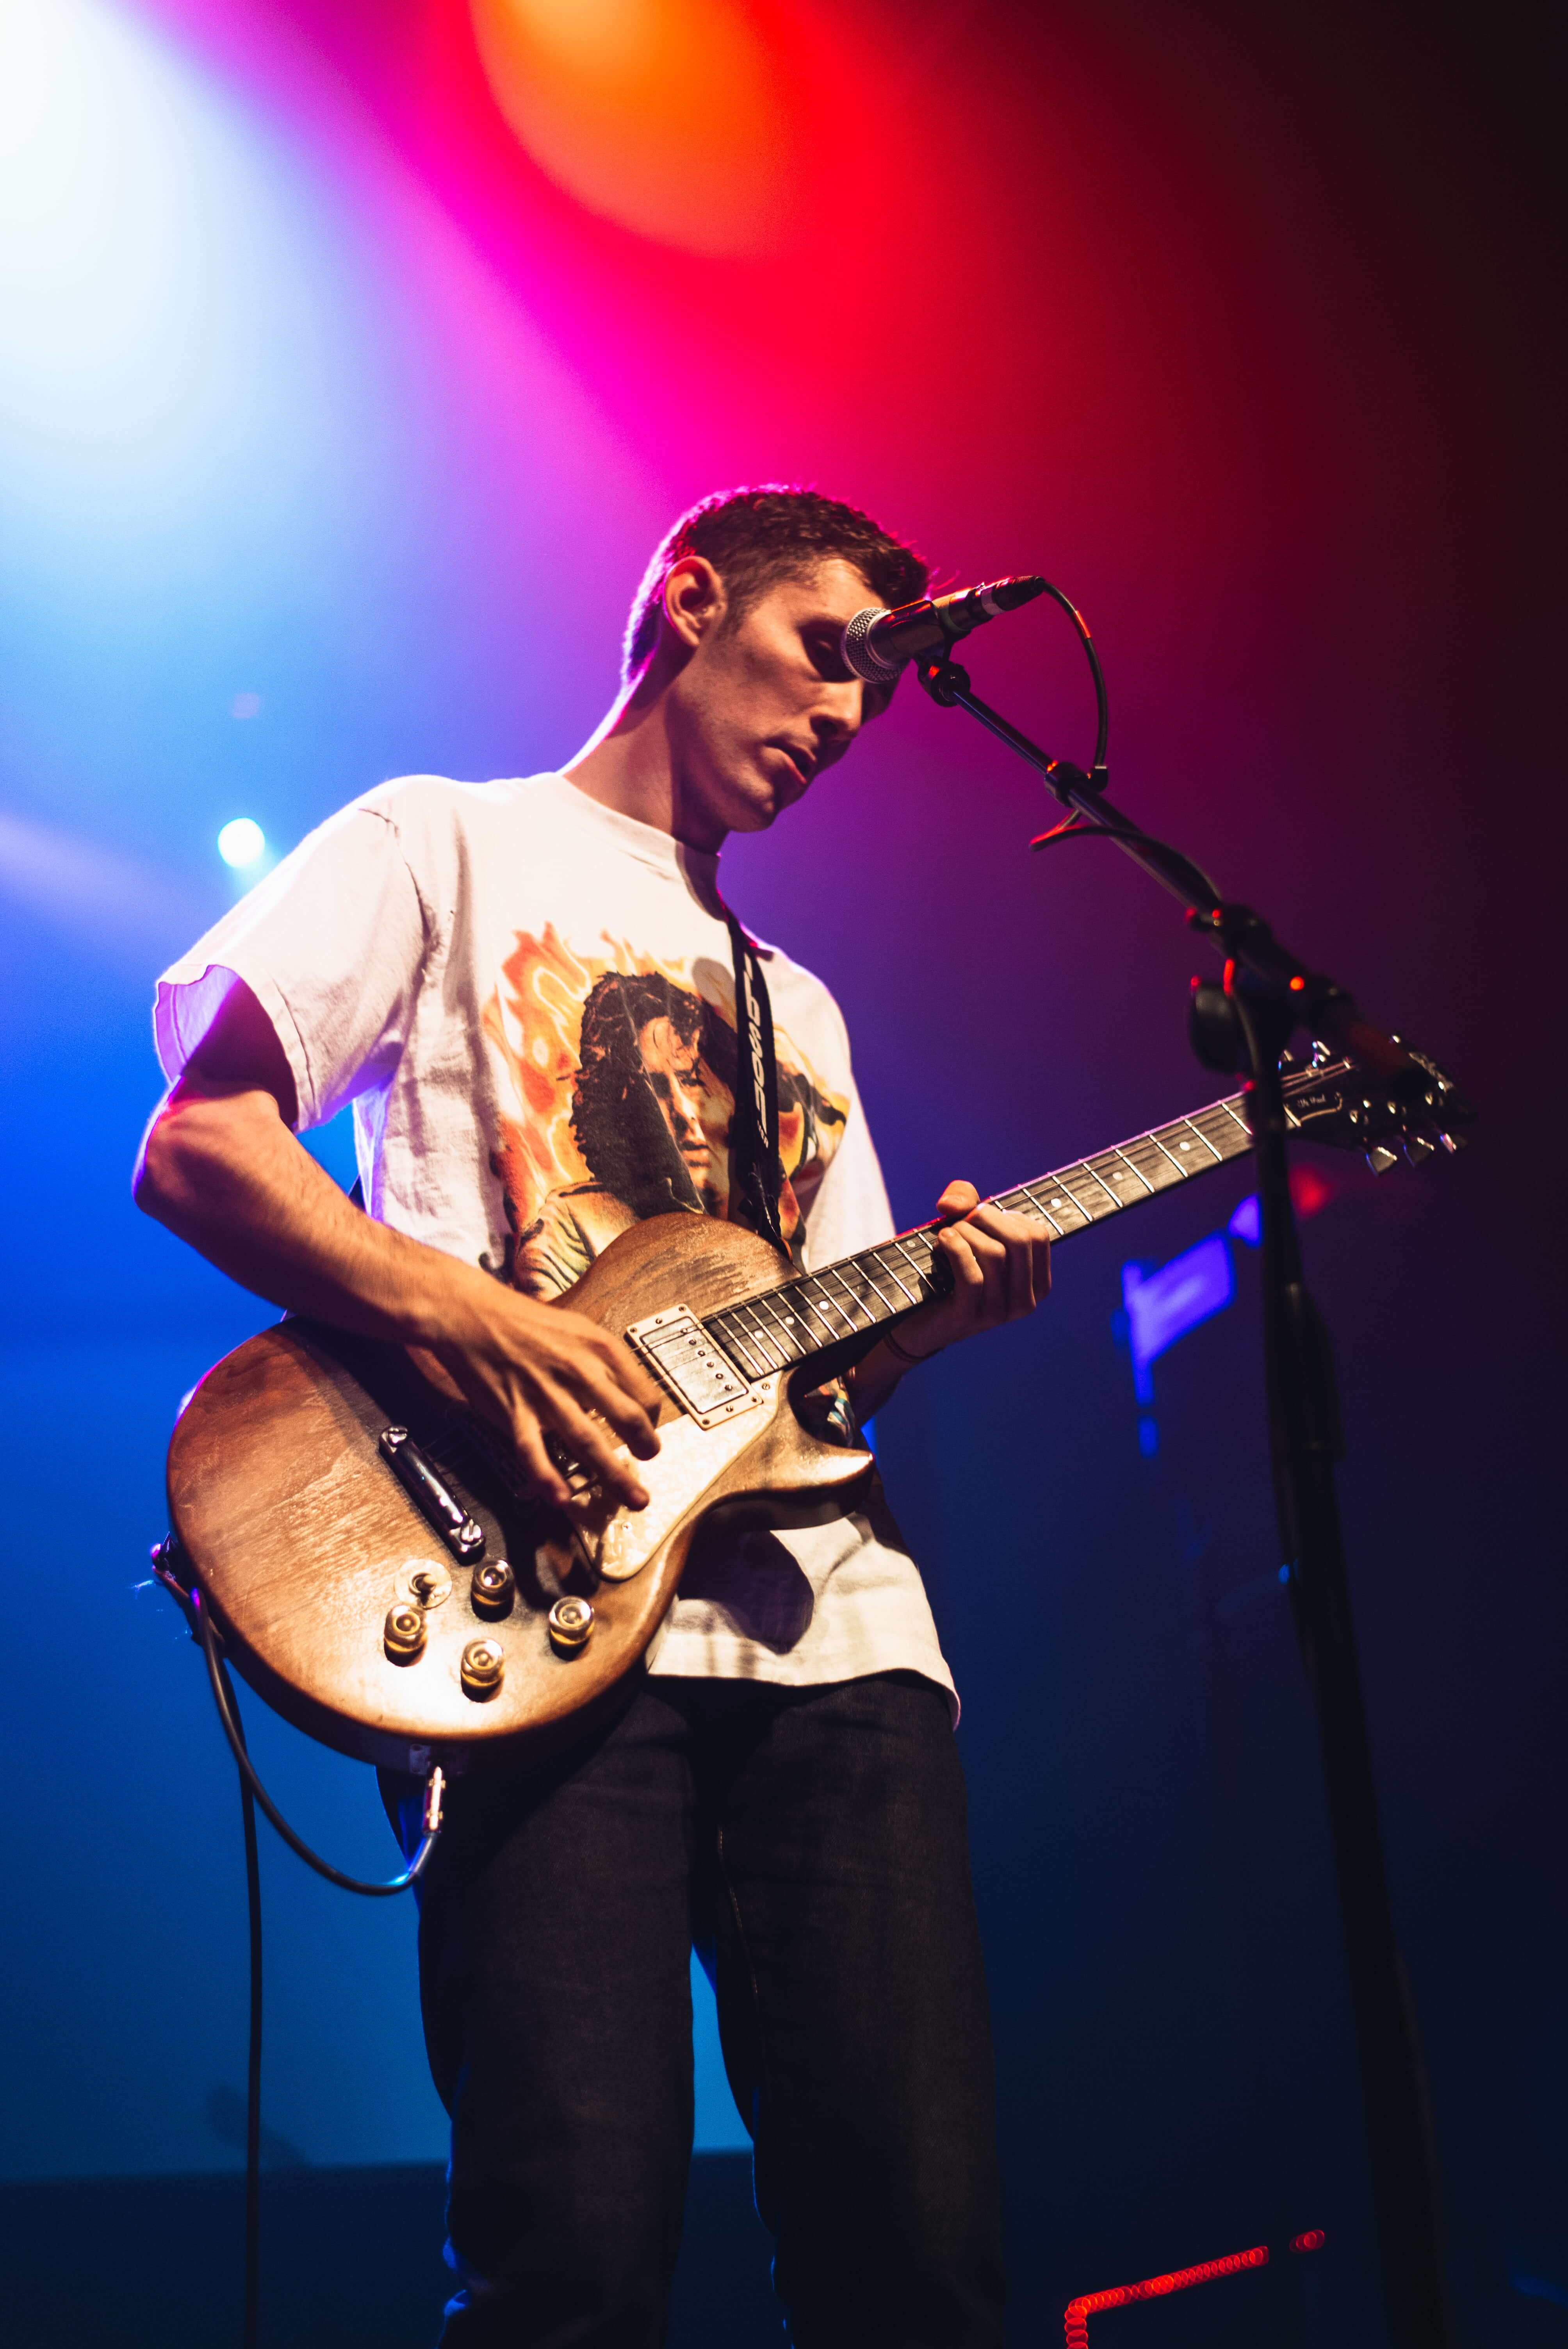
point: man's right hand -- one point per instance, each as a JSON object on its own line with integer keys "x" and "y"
{"x": 538, "y": 1371}
{"x": 220, "y": 1166}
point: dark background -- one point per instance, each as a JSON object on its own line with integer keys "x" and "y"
{"x": 1242, "y": 325}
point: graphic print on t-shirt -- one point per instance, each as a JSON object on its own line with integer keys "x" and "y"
{"x": 624, "y": 1069}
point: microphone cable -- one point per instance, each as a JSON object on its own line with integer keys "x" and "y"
{"x": 1079, "y": 826}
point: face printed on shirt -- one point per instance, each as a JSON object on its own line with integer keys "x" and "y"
{"x": 674, "y": 1074}
{"x": 625, "y": 1071}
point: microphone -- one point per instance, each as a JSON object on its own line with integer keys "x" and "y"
{"x": 878, "y": 643}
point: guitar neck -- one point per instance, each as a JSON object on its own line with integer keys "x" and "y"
{"x": 822, "y": 1312}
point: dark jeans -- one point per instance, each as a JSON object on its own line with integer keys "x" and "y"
{"x": 813, "y": 1842}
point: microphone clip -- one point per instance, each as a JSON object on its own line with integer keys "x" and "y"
{"x": 942, "y": 679}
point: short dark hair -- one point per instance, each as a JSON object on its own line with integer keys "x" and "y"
{"x": 753, "y": 537}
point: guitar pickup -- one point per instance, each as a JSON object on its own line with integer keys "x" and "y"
{"x": 691, "y": 1366}
{"x": 463, "y": 1535}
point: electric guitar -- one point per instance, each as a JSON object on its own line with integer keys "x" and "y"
{"x": 362, "y": 1542}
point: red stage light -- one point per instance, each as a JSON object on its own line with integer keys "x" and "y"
{"x": 1311, "y": 2241}
{"x": 672, "y": 117}
{"x": 1310, "y": 1192}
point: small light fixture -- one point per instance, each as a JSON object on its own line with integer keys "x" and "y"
{"x": 241, "y": 843}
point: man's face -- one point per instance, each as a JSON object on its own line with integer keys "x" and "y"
{"x": 765, "y": 704}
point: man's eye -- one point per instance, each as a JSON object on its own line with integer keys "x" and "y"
{"x": 827, "y": 656}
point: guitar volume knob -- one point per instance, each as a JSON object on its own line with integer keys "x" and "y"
{"x": 403, "y": 1633}
{"x": 483, "y": 1663}
{"x": 492, "y": 1587}
{"x": 571, "y": 1626}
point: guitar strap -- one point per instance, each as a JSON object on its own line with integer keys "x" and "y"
{"x": 756, "y": 1174}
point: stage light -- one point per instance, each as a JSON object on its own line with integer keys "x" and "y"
{"x": 59, "y": 153}
{"x": 1164, "y": 1306}
{"x": 241, "y": 843}
{"x": 671, "y": 116}
{"x": 1246, "y": 1222}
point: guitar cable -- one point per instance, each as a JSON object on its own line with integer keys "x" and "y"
{"x": 204, "y": 1632}
{"x": 229, "y": 1714}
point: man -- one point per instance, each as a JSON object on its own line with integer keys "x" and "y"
{"x": 526, "y": 990}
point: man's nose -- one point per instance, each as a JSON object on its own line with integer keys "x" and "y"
{"x": 840, "y": 717}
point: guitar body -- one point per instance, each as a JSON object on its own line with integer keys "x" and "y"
{"x": 302, "y": 1538}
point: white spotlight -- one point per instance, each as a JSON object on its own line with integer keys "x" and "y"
{"x": 242, "y": 841}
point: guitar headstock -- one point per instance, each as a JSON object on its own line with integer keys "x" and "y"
{"x": 1333, "y": 1099}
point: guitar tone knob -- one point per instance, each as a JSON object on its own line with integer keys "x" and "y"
{"x": 492, "y": 1587}
{"x": 403, "y": 1633}
{"x": 483, "y": 1662}
{"x": 571, "y": 1626}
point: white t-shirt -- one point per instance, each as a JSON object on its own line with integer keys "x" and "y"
{"x": 529, "y": 999}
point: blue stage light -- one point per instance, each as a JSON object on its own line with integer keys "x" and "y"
{"x": 241, "y": 843}
{"x": 1247, "y": 1224}
{"x": 1162, "y": 1306}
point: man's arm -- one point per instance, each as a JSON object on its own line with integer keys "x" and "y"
{"x": 1001, "y": 1267}
{"x": 221, "y": 1167}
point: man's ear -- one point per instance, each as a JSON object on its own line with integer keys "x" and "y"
{"x": 695, "y": 600}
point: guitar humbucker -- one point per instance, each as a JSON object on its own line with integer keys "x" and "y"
{"x": 691, "y": 1365}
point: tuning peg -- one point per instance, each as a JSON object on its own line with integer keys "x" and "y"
{"x": 1379, "y": 1159}
{"x": 1417, "y": 1147}
{"x": 1452, "y": 1141}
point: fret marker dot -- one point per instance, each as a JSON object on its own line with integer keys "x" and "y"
{"x": 1185, "y": 1145}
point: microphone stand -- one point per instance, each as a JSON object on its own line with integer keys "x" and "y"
{"x": 1244, "y": 1024}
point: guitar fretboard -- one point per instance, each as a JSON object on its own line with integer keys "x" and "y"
{"x": 781, "y": 1327}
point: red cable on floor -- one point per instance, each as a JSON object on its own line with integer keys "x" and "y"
{"x": 1090, "y": 2303}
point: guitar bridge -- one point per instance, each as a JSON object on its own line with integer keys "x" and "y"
{"x": 463, "y": 1535}
{"x": 691, "y": 1366}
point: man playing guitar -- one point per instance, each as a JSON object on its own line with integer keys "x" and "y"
{"x": 528, "y": 991}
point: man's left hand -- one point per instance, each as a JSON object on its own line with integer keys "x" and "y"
{"x": 1001, "y": 1267}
